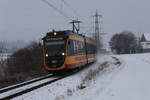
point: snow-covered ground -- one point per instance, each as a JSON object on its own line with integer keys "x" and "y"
{"x": 107, "y": 79}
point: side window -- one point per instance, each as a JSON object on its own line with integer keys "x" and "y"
{"x": 70, "y": 48}
{"x": 82, "y": 51}
{"x": 75, "y": 48}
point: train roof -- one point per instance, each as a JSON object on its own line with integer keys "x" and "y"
{"x": 65, "y": 33}
{"x": 62, "y": 33}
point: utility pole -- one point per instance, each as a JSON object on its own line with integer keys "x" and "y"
{"x": 98, "y": 30}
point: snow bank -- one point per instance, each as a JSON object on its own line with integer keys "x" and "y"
{"x": 65, "y": 88}
{"x": 114, "y": 77}
{"x": 130, "y": 81}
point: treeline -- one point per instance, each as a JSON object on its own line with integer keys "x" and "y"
{"x": 11, "y": 46}
{"x": 22, "y": 65}
{"x": 125, "y": 43}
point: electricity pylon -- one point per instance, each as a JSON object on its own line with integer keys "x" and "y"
{"x": 98, "y": 30}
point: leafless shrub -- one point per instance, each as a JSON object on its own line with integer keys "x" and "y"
{"x": 59, "y": 97}
{"x": 92, "y": 75}
{"x": 28, "y": 59}
{"x": 69, "y": 92}
{"x": 24, "y": 64}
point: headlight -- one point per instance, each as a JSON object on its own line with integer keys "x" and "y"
{"x": 46, "y": 55}
{"x": 55, "y": 33}
{"x": 63, "y": 53}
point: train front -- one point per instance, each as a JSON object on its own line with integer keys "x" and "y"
{"x": 54, "y": 51}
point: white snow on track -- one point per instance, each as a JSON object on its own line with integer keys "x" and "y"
{"x": 13, "y": 91}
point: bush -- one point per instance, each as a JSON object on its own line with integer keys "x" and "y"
{"x": 24, "y": 64}
{"x": 26, "y": 60}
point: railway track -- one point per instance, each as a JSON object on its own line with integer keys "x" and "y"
{"x": 20, "y": 89}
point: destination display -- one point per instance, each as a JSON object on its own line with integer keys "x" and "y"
{"x": 60, "y": 38}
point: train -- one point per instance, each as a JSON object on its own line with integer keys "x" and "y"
{"x": 65, "y": 50}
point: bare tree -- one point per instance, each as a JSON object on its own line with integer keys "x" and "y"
{"x": 2, "y": 46}
{"x": 26, "y": 59}
{"x": 124, "y": 43}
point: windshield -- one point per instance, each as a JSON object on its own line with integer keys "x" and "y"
{"x": 55, "y": 48}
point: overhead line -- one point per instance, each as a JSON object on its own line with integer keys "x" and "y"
{"x": 68, "y": 5}
{"x": 75, "y": 12}
{"x": 59, "y": 10}
{"x": 55, "y": 8}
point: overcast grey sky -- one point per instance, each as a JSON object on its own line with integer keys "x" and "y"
{"x": 28, "y": 19}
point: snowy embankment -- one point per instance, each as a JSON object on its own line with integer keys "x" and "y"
{"x": 65, "y": 88}
{"x": 130, "y": 83}
{"x": 125, "y": 78}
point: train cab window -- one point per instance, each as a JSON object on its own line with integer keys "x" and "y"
{"x": 55, "y": 48}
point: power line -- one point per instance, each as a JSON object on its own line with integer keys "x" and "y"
{"x": 74, "y": 11}
{"x": 60, "y": 10}
{"x": 68, "y": 5}
{"x": 56, "y": 9}
{"x": 89, "y": 29}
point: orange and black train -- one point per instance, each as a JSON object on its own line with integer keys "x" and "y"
{"x": 65, "y": 50}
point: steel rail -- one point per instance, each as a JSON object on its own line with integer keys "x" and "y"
{"x": 13, "y": 95}
{"x": 24, "y": 83}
